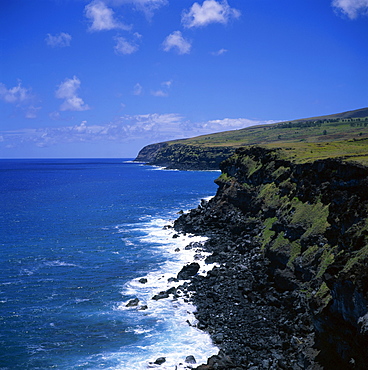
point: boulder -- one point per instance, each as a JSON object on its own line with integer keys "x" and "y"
{"x": 132, "y": 303}
{"x": 190, "y": 360}
{"x": 160, "y": 295}
{"x": 160, "y": 361}
{"x": 188, "y": 271}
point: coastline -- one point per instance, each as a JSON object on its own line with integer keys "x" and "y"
{"x": 160, "y": 293}
{"x": 290, "y": 239}
{"x": 253, "y": 325}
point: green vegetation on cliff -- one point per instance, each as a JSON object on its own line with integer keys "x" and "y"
{"x": 308, "y": 222}
{"x": 343, "y": 135}
{"x": 313, "y": 216}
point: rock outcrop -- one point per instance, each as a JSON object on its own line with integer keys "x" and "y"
{"x": 291, "y": 289}
{"x": 184, "y": 157}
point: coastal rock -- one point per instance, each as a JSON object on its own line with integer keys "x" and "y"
{"x": 190, "y": 360}
{"x": 160, "y": 361}
{"x": 189, "y": 270}
{"x": 160, "y": 295}
{"x": 172, "y": 280}
{"x": 290, "y": 240}
{"x": 184, "y": 157}
{"x": 132, "y": 303}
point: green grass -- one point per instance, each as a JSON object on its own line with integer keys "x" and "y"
{"x": 334, "y": 136}
{"x": 323, "y": 294}
{"x": 312, "y": 216}
{"x": 267, "y": 233}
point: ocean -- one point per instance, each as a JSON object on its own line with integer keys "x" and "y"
{"x": 77, "y": 238}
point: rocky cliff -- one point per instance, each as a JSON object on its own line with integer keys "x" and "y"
{"x": 184, "y": 157}
{"x": 291, "y": 287}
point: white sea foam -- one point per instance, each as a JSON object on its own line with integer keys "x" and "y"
{"x": 174, "y": 335}
{"x": 58, "y": 263}
{"x": 160, "y": 168}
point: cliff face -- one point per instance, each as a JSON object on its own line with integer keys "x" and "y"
{"x": 308, "y": 224}
{"x": 184, "y": 157}
{"x": 149, "y": 152}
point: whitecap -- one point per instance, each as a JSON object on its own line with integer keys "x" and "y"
{"x": 58, "y": 263}
{"x": 171, "y": 332}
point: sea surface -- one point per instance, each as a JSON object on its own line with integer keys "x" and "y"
{"x": 76, "y": 237}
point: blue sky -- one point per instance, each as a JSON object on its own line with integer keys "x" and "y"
{"x": 104, "y": 78}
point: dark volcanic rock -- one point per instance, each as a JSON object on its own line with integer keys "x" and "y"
{"x": 160, "y": 295}
{"x": 292, "y": 284}
{"x": 160, "y": 361}
{"x": 188, "y": 271}
{"x": 132, "y": 303}
{"x": 190, "y": 360}
{"x": 184, "y": 157}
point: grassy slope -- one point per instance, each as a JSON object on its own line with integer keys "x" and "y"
{"x": 339, "y": 135}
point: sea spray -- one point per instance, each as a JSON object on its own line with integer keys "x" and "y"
{"x": 174, "y": 335}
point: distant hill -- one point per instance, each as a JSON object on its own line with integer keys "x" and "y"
{"x": 342, "y": 135}
{"x": 358, "y": 113}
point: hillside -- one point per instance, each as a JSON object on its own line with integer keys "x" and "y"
{"x": 338, "y": 135}
{"x": 291, "y": 245}
{"x": 288, "y": 231}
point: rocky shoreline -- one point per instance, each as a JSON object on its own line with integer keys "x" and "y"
{"x": 291, "y": 243}
{"x": 255, "y": 325}
{"x": 184, "y": 157}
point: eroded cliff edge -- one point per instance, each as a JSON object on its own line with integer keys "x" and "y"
{"x": 291, "y": 289}
{"x": 184, "y": 157}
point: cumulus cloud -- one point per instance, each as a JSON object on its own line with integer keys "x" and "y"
{"x": 21, "y": 97}
{"x": 351, "y": 8}
{"x": 17, "y": 94}
{"x": 177, "y": 42}
{"x": 102, "y": 18}
{"x": 67, "y": 90}
{"x": 211, "y": 11}
{"x": 124, "y": 47}
{"x": 60, "y": 40}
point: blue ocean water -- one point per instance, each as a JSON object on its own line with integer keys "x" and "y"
{"x": 76, "y": 237}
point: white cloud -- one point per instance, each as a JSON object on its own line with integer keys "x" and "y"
{"x": 219, "y": 52}
{"x": 68, "y": 90}
{"x": 211, "y": 11}
{"x": 176, "y": 41}
{"x": 147, "y": 6}
{"x": 351, "y": 8}
{"x": 167, "y": 83}
{"x": 31, "y": 112}
{"x": 164, "y": 92}
{"x": 61, "y": 40}
{"x": 230, "y": 124}
{"x": 17, "y": 94}
{"x": 102, "y": 17}
{"x": 160, "y": 93}
{"x": 124, "y": 47}
{"x": 147, "y": 128}
{"x": 138, "y": 89}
